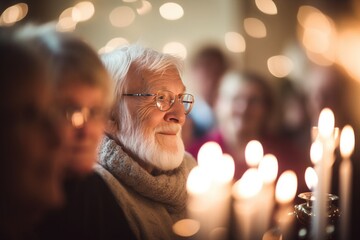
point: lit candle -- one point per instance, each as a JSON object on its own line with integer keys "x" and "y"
{"x": 245, "y": 193}
{"x": 326, "y": 135}
{"x": 311, "y": 178}
{"x": 254, "y": 152}
{"x": 285, "y": 192}
{"x": 347, "y": 142}
{"x": 208, "y": 186}
{"x": 268, "y": 170}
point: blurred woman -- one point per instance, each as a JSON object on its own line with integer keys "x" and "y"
{"x": 83, "y": 95}
{"x": 31, "y": 167}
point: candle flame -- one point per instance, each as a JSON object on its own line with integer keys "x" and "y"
{"x": 316, "y": 151}
{"x": 208, "y": 154}
{"x": 311, "y": 178}
{"x": 326, "y": 122}
{"x": 198, "y": 181}
{"x": 286, "y": 187}
{"x": 268, "y": 168}
{"x": 347, "y": 141}
{"x": 225, "y": 169}
{"x": 249, "y": 185}
{"x": 254, "y": 152}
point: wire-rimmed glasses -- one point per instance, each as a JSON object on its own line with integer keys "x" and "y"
{"x": 166, "y": 99}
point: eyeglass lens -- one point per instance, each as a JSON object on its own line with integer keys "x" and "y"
{"x": 166, "y": 99}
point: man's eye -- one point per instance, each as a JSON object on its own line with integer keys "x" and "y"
{"x": 161, "y": 97}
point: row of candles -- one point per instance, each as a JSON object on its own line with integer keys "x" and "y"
{"x": 251, "y": 200}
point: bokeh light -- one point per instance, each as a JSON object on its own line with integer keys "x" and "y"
{"x": 235, "y": 42}
{"x": 280, "y": 66}
{"x": 14, "y": 14}
{"x": 171, "y": 11}
{"x": 145, "y": 8}
{"x": 266, "y": 6}
{"x": 83, "y": 11}
{"x": 122, "y": 16}
{"x": 112, "y": 44}
{"x": 175, "y": 48}
{"x": 255, "y": 27}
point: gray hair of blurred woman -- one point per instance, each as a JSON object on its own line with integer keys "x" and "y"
{"x": 118, "y": 63}
{"x": 71, "y": 59}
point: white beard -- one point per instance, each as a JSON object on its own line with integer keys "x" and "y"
{"x": 142, "y": 142}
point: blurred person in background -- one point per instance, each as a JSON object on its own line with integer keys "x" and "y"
{"x": 83, "y": 94}
{"x": 31, "y": 162}
{"x": 245, "y": 111}
{"x": 294, "y": 122}
{"x": 206, "y": 69}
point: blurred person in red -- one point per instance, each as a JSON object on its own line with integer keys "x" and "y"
{"x": 206, "y": 69}
{"x": 245, "y": 111}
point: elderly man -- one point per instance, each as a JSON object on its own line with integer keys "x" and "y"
{"x": 138, "y": 188}
{"x": 142, "y": 156}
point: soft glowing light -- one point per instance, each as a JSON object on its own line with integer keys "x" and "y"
{"x": 186, "y": 227}
{"x": 326, "y": 122}
{"x": 208, "y": 153}
{"x": 319, "y": 59}
{"x": 304, "y": 12}
{"x": 122, "y": 16}
{"x": 114, "y": 43}
{"x": 67, "y": 13}
{"x": 77, "y": 119}
{"x": 198, "y": 181}
{"x": 66, "y": 24}
{"x": 286, "y": 187}
{"x": 254, "y": 152}
{"x": 268, "y": 168}
{"x": 347, "y": 141}
{"x": 311, "y": 178}
{"x": 14, "y": 14}
{"x": 83, "y": 11}
{"x": 280, "y": 66}
{"x": 225, "y": 169}
{"x": 316, "y": 152}
{"x": 175, "y": 48}
{"x": 349, "y": 50}
{"x": 145, "y": 8}
{"x": 255, "y": 27}
{"x": 319, "y": 35}
{"x": 249, "y": 185}
{"x": 266, "y": 6}
{"x": 235, "y": 42}
{"x": 316, "y": 41}
{"x": 171, "y": 11}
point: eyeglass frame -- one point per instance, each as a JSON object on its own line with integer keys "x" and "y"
{"x": 171, "y": 104}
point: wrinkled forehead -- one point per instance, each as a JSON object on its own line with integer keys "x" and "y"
{"x": 146, "y": 80}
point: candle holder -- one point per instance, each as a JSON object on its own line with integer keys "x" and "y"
{"x": 305, "y": 215}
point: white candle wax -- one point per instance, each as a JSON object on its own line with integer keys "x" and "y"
{"x": 323, "y": 169}
{"x": 268, "y": 169}
{"x": 208, "y": 186}
{"x": 347, "y": 142}
{"x": 245, "y": 193}
{"x": 285, "y": 192}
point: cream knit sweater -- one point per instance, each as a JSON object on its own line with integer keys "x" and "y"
{"x": 151, "y": 203}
